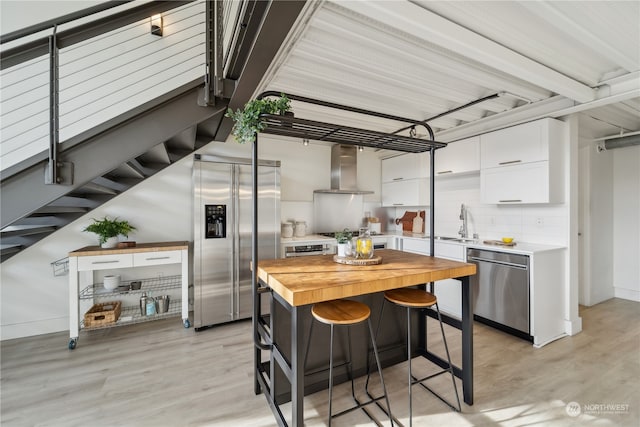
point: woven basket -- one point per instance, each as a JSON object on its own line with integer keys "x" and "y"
{"x": 102, "y": 314}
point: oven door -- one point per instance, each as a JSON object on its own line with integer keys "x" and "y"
{"x": 307, "y": 250}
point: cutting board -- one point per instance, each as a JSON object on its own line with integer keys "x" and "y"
{"x": 407, "y": 220}
{"x": 499, "y": 243}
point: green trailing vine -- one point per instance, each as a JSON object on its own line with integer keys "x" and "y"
{"x": 247, "y": 122}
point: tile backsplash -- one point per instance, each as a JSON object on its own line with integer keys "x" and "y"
{"x": 544, "y": 224}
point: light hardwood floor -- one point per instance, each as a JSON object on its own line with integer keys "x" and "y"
{"x": 160, "y": 374}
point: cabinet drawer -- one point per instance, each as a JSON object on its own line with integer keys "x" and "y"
{"x": 450, "y": 250}
{"x": 103, "y": 262}
{"x": 157, "y": 258}
{"x": 417, "y": 246}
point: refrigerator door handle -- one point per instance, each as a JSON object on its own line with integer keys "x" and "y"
{"x": 236, "y": 242}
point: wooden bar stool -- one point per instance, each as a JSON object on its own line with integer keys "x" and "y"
{"x": 418, "y": 298}
{"x": 348, "y": 312}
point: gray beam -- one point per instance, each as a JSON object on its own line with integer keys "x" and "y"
{"x": 26, "y": 192}
{"x": 278, "y": 21}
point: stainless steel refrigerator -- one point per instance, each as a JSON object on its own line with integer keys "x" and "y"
{"x": 223, "y": 221}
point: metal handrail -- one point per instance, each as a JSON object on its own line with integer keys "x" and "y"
{"x": 53, "y": 102}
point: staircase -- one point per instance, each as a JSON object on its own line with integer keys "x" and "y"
{"x": 102, "y": 180}
{"x": 100, "y": 163}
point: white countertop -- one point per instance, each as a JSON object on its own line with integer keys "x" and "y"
{"x": 524, "y": 248}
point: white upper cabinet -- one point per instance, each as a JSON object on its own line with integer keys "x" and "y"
{"x": 523, "y": 164}
{"x": 458, "y": 157}
{"x": 409, "y": 192}
{"x": 405, "y": 180}
{"x": 406, "y": 166}
{"x": 525, "y": 143}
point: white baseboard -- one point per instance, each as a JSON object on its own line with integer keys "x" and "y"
{"x": 29, "y": 329}
{"x": 629, "y": 294}
{"x": 572, "y": 327}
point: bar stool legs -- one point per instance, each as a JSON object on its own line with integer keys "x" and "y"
{"x": 347, "y": 312}
{"x": 417, "y": 298}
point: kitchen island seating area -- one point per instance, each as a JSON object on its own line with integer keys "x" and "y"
{"x": 296, "y": 284}
{"x": 347, "y": 313}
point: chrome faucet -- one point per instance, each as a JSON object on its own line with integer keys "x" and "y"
{"x": 463, "y": 216}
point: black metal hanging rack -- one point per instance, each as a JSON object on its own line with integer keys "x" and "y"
{"x": 291, "y": 126}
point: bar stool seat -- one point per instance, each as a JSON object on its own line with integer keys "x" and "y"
{"x": 347, "y": 313}
{"x": 341, "y": 312}
{"x": 412, "y": 298}
{"x": 409, "y": 297}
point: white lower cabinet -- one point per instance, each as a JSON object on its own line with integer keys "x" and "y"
{"x": 449, "y": 291}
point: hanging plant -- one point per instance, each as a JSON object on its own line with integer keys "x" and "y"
{"x": 247, "y": 122}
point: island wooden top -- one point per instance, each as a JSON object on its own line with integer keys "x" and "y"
{"x": 311, "y": 279}
{"x": 140, "y": 247}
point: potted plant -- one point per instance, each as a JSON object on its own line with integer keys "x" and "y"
{"x": 108, "y": 230}
{"x": 344, "y": 242}
{"x": 248, "y": 121}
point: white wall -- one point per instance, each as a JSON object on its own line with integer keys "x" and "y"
{"x": 35, "y": 302}
{"x": 626, "y": 222}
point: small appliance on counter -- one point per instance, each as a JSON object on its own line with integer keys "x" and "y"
{"x": 374, "y": 225}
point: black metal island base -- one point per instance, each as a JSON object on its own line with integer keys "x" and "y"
{"x": 297, "y": 283}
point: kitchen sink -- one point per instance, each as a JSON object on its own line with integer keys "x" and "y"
{"x": 455, "y": 239}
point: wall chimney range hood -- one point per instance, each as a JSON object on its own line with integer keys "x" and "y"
{"x": 344, "y": 166}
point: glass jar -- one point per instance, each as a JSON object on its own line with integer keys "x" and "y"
{"x": 364, "y": 244}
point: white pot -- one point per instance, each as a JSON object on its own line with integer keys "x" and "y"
{"x": 111, "y": 242}
{"x": 111, "y": 281}
{"x": 343, "y": 249}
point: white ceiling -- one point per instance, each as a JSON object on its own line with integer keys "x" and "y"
{"x": 419, "y": 59}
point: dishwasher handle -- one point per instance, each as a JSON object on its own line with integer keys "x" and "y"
{"x": 505, "y": 263}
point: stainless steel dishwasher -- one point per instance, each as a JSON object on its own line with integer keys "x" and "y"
{"x": 501, "y": 290}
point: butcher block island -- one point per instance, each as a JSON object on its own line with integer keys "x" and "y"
{"x": 297, "y": 283}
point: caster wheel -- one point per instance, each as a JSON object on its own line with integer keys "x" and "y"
{"x": 187, "y": 324}
{"x": 72, "y": 343}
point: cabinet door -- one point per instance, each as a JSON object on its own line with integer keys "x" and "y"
{"x": 524, "y": 143}
{"x": 104, "y": 262}
{"x": 406, "y": 166}
{"x": 458, "y": 157}
{"x": 419, "y": 246}
{"x": 449, "y": 291}
{"x": 527, "y": 183}
{"x": 412, "y": 192}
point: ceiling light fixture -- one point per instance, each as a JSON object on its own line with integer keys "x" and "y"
{"x": 305, "y": 142}
{"x": 156, "y": 25}
{"x": 360, "y": 148}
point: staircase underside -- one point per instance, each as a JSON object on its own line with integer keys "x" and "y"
{"x": 104, "y": 166}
